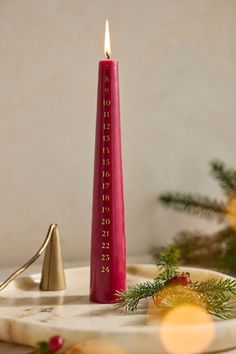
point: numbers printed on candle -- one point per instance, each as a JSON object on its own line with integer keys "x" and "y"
{"x": 106, "y": 174}
{"x": 106, "y": 138}
{"x": 105, "y": 197}
{"x": 105, "y": 257}
{"x": 106, "y": 162}
{"x": 105, "y": 210}
{"x": 105, "y": 269}
{"x": 106, "y": 221}
{"x": 106, "y": 126}
{"x": 106, "y": 114}
{"x": 106, "y": 245}
{"x": 106, "y": 150}
{"x": 106, "y": 103}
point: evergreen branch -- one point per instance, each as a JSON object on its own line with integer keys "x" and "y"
{"x": 217, "y": 303}
{"x": 221, "y": 310}
{"x": 182, "y": 295}
{"x": 168, "y": 260}
{"x": 222, "y": 289}
{"x": 217, "y": 250}
{"x": 129, "y": 299}
{"x": 216, "y": 294}
{"x": 197, "y": 248}
{"x": 171, "y": 288}
{"x": 225, "y": 258}
{"x": 217, "y": 306}
{"x": 194, "y": 204}
{"x": 194, "y": 248}
{"x": 213, "y": 294}
{"x": 168, "y": 257}
{"x": 225, "y": 176}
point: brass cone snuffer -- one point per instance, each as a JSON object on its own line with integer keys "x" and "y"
{"x": 53, "y": 276}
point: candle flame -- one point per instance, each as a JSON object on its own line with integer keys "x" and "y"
{"x": 107, "y": 45}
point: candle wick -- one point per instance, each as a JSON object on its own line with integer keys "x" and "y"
{"x": 108, "y": 56}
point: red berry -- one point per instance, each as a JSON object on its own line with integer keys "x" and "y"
{"x": 185, "y": 279}
{"x": 55, "y": 343}
{"x": 180, "y": 279}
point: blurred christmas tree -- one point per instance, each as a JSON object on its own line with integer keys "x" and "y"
{"x": 217, "y": 250}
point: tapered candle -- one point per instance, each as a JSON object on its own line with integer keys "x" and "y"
{"x": 108, "y": 248}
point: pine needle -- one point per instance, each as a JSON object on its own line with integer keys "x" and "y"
{"x": 128, "y": 301}
{"x": 225, "y": 176}
{"x": 201, "y": 248}
{"x": 194, "y": 204}
{"x": 168, "y": 260}
{"x": 223, "y": 288}
{"x": 216, "y": 295}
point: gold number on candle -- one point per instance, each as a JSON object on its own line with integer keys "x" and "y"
{"x": 106, "y": 102}
{"x": 106, "y": 138}
{"x": 105, "y": 209}
{"x": 106, "y": 162}
{"x": 106, "y": 174}
{"x": 106, "y": 114}
{"x": 106, "y": 245}
{"x": 106, "y": 221}
{"x": 106, "y": 126}
{"x": 105, "y": 197}
{"x": 105, "y": 257}
{"x": 105, "y": 269}
{"x": 106, "y": 150}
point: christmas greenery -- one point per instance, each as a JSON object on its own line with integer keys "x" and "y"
{"x": 194, "y": 204}
{"x": 175, "y": 287}
{"x": 217, "y": 250}
{"x": 42, "y": 348}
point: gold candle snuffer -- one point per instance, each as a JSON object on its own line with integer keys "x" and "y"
{"x": 53, "y": 276}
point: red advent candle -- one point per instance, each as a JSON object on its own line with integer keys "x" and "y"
{"x": 108, "y": 248}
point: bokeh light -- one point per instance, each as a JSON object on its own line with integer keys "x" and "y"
{"x": 186, "y": 329}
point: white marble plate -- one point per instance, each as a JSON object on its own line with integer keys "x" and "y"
{"x": 28, "y": 315}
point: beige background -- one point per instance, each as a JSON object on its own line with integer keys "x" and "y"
{"x": 178, "y": 86}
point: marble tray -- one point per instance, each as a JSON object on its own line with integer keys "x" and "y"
{"x": 28, "y": 315}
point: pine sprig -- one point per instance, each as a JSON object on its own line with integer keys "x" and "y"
{"x": 223, "y": 288}
{"x": 201, "y": 248}
{"x": 225, "y": 176}
{"x": 167, "y": 261}
{"x": 128, "y": 301}
{"x": 213, "y": 294}
{"x": 217, "y": 250}
{"x": 194, "y": 204}
{"x": 218, "y": 309}
{"x": 216, "y": 294}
